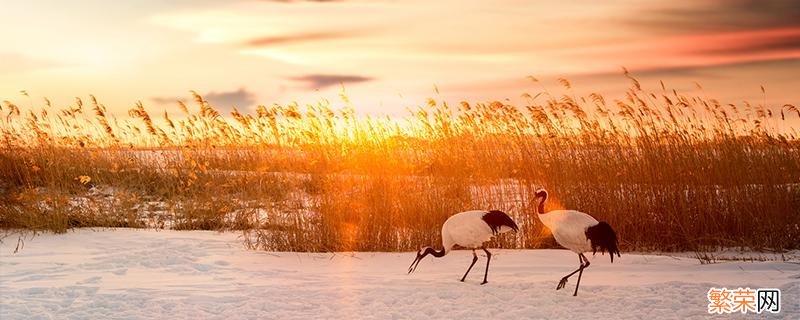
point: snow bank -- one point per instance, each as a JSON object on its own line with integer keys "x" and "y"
{"x": 134, "y": 273}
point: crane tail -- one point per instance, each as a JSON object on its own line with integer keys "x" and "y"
{"x": 604, "y": 239}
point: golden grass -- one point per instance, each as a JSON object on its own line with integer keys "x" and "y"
{"x": 669, "y": 171}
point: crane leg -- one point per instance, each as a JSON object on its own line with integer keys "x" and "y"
{"x": 488, "y": 258}
{"x": 474, "y": 259}
{"x": 582, "y": 266}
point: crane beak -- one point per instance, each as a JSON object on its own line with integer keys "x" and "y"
{"x": 415, "y": 263}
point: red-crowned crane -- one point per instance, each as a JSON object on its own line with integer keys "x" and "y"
{"x": 577, "y": 231}
{"x": 469, "y": 229}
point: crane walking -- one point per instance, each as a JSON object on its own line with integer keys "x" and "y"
{"x": 469, "y": 229}
{"x": 576, "y": 231}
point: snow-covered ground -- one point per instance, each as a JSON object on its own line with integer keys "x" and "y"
{"x": 134, "y": 273}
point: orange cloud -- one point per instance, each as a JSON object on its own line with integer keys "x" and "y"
{"x": 298, "y": 38}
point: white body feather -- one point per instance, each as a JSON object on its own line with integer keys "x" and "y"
{"x": 569, "y": 228}
{"x": 467, "y": 229}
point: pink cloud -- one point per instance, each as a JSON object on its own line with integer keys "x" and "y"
{"x": 698, "y": 50}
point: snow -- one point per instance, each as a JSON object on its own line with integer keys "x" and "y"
{"x": 138, "y": 273}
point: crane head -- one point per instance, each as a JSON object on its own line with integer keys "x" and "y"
{"x": 540, "y": 196}
{"x": 420, "y": 254}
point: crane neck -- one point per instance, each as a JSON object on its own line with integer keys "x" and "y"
{"x": 434, "y": 253}
{"x": 540, "y": 206}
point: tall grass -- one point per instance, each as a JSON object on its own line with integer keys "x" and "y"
{"x": 669, "y": 171}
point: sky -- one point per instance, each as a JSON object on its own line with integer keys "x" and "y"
{"x": 388, "y": 56}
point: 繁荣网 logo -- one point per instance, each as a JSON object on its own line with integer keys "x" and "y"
{"x": 744, "y": 300}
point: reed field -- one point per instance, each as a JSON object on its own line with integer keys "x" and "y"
{"x": 670, "y": 172}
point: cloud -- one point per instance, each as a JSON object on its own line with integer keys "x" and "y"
{"x": 722, "y": 15}
{"x": 697, "y": 73}
{"x": 692, "y": 50}
{"x": 166, "y": 100}
{"x": 321, "y": 81}
{"x": 760, "y": 45}
{"x": 240, "y": 98}
{"x": 297, "y": 38}
{"x": 224, "y": 101}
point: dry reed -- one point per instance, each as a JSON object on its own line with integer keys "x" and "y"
{"x": 669, "y": 171}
